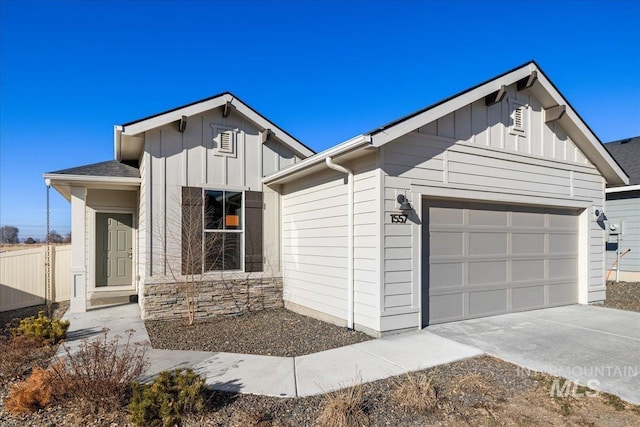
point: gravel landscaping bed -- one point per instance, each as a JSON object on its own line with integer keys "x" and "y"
{"x": 623, "y": 295}
{"x": 278, "y": 332}
{"x": 477, "y": 391}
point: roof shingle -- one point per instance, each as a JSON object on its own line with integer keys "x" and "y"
{"x": 627, "y": 154}
{"x": 109, "y": 168}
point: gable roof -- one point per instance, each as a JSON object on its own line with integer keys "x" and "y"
{"x": 111, "y": 168}
{"x": 128, "y": 143}
{"x": 542, "y": 88}
{"x": 627, "y": 154}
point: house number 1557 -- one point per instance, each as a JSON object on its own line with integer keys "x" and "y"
{"x": 398, "y": 218}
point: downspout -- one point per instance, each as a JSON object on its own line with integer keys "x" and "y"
{"x": 350, "y": 233}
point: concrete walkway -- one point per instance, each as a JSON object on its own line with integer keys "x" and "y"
{"x": 279, "y": 376}
{"x": 591, "y": 345}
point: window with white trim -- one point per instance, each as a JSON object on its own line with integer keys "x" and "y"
{"x": 223, "y": 219}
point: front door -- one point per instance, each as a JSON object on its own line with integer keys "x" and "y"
{"x": 114, "y": 249}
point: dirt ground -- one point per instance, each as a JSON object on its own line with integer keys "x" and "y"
{"x": 623, "y": 295}
{"x": 480, "y": 391}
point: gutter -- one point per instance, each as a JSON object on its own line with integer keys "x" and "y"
{"x": 621, "y": 189}
{"x": 350, "y": 238}
{"x": 333, "y": 152}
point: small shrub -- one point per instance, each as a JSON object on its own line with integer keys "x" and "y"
{"x": 33, "y": 393}
{"x": 345, "y": 408}
{"x": 98, "y": 376}
{"x": 18, "y": 356}
{"x": 172, "y": 396}
{"x": 42, "y": 327}
{"x": 415, "y": 393}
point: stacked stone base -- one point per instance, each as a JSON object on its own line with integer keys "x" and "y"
{"x": 164, "y": 301}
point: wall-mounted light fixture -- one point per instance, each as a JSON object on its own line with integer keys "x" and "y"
{"x": 405, "y": 206}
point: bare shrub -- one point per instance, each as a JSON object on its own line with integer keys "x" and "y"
{"x": 345, "y": 408}
{"x": 19, "y": 355}
{"x": 98, "y": 376}
{"x": 32, "y": 394}
{"x": 415, "y": 393}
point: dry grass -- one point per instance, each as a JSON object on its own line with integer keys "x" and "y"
{"x": 250, "y": 418}
{"x": 32, "y": 394}
{"x": 473, "y": 383}
{"x": 345, "y": 408}
{"x": 415, "y": 393}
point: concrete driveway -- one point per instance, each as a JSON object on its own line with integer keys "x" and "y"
{"x": 590, "y": 345}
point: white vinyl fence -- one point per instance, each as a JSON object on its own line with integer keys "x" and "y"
{"x": 23, "y": 276}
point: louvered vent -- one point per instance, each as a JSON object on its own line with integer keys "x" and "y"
{"x": 518, "y": 118}
{"x": 226, "y": 142}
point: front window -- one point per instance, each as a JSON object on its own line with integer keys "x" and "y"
{"x": 222, "y": 230}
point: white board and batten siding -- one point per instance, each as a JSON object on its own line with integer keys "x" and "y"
{"x": 314, "y": 243}
{"x": 172, "y": 159}
{"x": 474, "y": 154}
{"x": 624, "y": 208}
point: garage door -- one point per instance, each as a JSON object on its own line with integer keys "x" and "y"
{"x": 485, "y": 259}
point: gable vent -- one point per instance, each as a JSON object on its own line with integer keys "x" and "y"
{"x": 517, "y": 119}
{"x": 225, "y": 141}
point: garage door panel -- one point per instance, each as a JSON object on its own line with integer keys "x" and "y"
{"x": 497, "y": 258}
{"x": 447, "y": 243}
{"x": 446, "y": 275}
{"x": 563, "y": 267}
{"x": 522, "y": 270}
{"x": 487, "y": 302}
{"x": 563, "y": 243}
{"x": 487, "y": 243}
{"x": 446, "y": 307}
{"x": 557, "y": 220}
{"x": 487, "y": 217}
{"x": 529, "y": 297}
{"x": 527, "y": 219}
{"x": 527, "y": 243}
{"x": 487, "y": 272}
{"x": 446, "y": 216}
{"x": 563, "y": 293}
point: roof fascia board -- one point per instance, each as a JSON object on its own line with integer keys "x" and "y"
{"x": 622, "y": 189}
{"x": 117, "y": 142}
{"x": 358, "y": 142}
{"x": 172, "y": 116}
{"x": 454, "y": 104}
{"x": 604, "y": 162}
{"x": 277, "y": 132}
{"x": 209, "y": 104}
{"x": 121, "y": 180}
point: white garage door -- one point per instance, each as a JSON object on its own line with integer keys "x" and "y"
{"x": 486, "y": 259}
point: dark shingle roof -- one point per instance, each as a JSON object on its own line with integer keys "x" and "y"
{"x": 109, "y": 168}
{"x": 627, "y": 154}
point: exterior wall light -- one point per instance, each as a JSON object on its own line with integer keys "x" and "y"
{"x": 405, "y": 206}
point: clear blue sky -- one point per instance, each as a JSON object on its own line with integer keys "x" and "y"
{"x": 323, "y": 70}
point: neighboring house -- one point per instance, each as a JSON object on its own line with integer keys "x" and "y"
{"x": 482, "y": 204}
{"x": 623, "y": 213}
